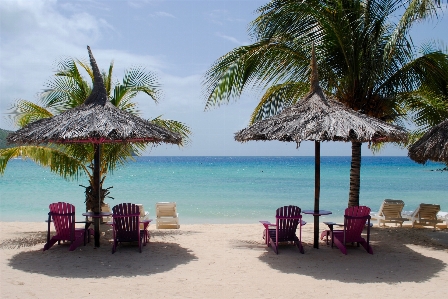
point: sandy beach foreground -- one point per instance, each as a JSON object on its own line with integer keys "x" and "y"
{"x": 223, "y": 261}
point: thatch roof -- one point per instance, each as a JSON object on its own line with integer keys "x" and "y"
{"x": 433, "y": 145}
{"x": 320, "y": 119}
{"x": 95, "y": 121}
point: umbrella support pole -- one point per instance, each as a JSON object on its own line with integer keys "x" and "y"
{"x": 97, "y": 181}
{"x": 316, "y": 192}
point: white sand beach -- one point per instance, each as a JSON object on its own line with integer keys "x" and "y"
{"x": 223, "y": 261}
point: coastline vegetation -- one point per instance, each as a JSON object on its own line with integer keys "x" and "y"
{"x": 3, "y": 143}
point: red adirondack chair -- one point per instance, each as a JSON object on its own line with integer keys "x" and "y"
{"x": 287, "y": 219}
{"x": 355, "y": 219}
{"x": 62, "y": 215}
{"x": 126, "y": 225}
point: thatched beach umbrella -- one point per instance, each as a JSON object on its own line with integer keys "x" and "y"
{"x": 433, "y": 145}
{"x": 319, "y": 119}
{"x": 96, "y": 121}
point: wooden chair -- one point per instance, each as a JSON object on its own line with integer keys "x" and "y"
{"x": 355, "y": 219}
{"x": 287, "y": 219}
{"x": 126, "y": 225}
{"x": 62, "y": 215}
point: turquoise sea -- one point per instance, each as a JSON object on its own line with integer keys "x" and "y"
{"x": 228, "y": 189}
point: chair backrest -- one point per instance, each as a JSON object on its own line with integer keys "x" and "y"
{"x": 126, "y": 221}
{"x": 287, "y": 219}
{"x": 427, "y": 211}
{"x": 391, "y": 208}
{"x": 63, "y": 216}
{"x": 355, "y": 219}
{"x": 166, "y": 209}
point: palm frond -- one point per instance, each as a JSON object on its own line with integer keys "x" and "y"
{"x": 25, "y": 112}
{"x": 416, "y": 10}
{"x": 278, "y": 97}
{"x": 52, "y": 157}
{"x": 176, "y": 127}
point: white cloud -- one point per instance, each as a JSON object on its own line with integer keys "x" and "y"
{"x": 140, "y": 3}
{"x": 232, "y": 39}
{"x": 222, "y": 16}
{"x": 164, "y": 14}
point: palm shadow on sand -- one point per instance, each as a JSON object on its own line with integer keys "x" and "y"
{"x": 392, "y": 262}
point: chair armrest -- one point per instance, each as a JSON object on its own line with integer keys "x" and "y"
{"x": 330, "y": 223}
{"x": 396, "y": 218}
{"x": 266, "y": 224}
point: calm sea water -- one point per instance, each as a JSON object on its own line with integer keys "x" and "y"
{"x": 228, "y": 189}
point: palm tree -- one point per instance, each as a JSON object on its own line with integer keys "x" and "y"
{"x": 365, "y": 60}
{"x": 69, "y": 89}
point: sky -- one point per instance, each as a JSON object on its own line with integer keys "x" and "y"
{"x": 178, "y": 40}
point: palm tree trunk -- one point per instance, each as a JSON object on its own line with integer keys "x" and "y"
{"x": 355, "y": 175}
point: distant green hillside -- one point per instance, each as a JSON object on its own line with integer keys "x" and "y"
{"x": 3, "y": 134}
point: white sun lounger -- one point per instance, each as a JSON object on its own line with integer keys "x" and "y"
{"x": 426, "y": 215}
{"x": 144, "y": 215}
{"x": 167, "y": 216}
{"x": 389, "y": 212}
{"x": 443, "y": 216}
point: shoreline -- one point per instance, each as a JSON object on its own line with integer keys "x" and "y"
{"x": 223, "y": 261}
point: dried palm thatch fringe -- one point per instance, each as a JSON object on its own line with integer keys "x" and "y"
{"x": 320, "y": 119}
{"x": 432, "y": 146}
{"x": 95, "y": 121}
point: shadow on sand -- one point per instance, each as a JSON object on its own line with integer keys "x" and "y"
{"x": 393, "y": 261}
{"x": 90, "y": 262}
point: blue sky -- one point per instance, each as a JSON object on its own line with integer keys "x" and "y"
{"x": 178, "y": 40}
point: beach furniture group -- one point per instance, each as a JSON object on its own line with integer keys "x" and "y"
{"x": 391, "y": 211}
{"x": 129, "y": 222}
{"x": 289, "y": 222}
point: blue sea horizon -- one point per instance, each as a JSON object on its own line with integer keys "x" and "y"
{"x": 228, "y": 189}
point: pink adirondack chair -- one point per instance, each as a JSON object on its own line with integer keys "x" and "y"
{"x": 126, "y": 225}
{"x": 62, "y": 215}
{"x": 287, "y": 219}
{"x": 355, "y": 219}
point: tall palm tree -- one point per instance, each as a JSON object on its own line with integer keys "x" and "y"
{"x": 69, "y": 89}
{"x": 365, "y": 60}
